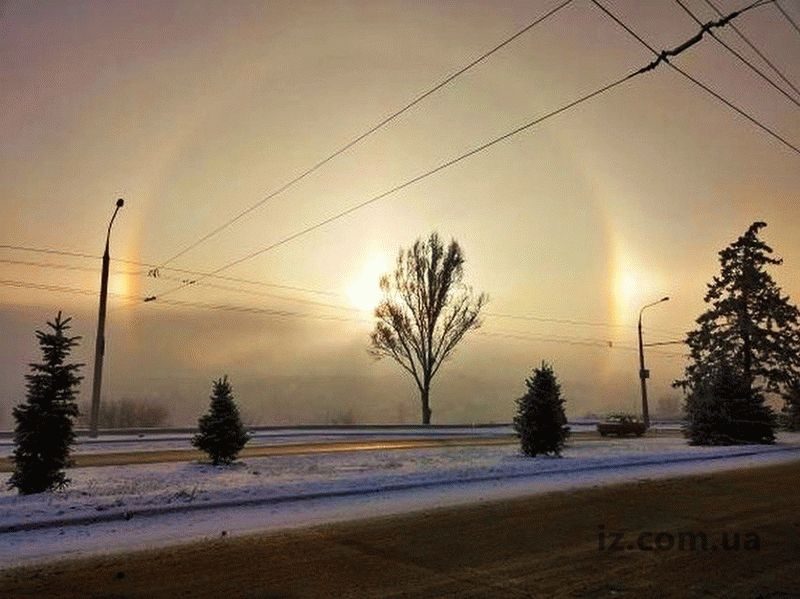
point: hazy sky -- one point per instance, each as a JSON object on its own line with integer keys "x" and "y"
{"x": 193, "y": 111}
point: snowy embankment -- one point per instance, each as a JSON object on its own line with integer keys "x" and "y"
{"x": 118, "y": 508}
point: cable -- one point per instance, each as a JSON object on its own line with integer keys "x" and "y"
{"x": 577, "y": 322}
{"x": 524, "y": 317}
{"x": 606, "y": 345}
{"x": 368, "y": 132}
{"x": 752, "y": 67}
{"x": 756, "y": 50}
{"x": 69, "y": 267}
{"x": 664, "y": 55}
{"x": 741, "y": 58}
{"x": 417, "y": 178}
{"x": 787, "y": 16}
{"x": 291, "y": 314}
{"x": 154, "y": 270}
{"x": 661, "y": 57}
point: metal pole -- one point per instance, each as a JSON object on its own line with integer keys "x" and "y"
{"x": 100, "y": 341}
{"x": 644, "y": 374}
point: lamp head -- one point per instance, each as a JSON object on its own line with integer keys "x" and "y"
{"x": 120, "y": 203}
{"x": 664, "y": 299}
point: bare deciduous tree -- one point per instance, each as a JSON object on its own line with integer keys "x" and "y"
{"x": 426, "y": 310}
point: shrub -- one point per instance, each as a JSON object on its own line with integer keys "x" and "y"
{"x": 541, "y": 422}
{"x": 221, "y": 433}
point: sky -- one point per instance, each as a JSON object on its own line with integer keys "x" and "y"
{"x": 194, "y": 111}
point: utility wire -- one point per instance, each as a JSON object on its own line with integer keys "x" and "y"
{"x": 741, "y": 58}
{"x": 565, "y": 340}
{"x": 663, "y": 56}
{"x": 367, "y": 133}
{"x": 255, "y": 292}
{"x": 787, "y": 16}
{"x": 755, "y": 49}
{"x": 416, "y": 179}
{"x": 155, "y": 272}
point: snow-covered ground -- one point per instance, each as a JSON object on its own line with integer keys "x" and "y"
{"x": 125, "y": 507}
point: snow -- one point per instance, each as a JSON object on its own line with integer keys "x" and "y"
{"x": 125, "y": 507}
{"x": 156, "y": 441}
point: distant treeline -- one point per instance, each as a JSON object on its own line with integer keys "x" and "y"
{"x": 127, "y": 413}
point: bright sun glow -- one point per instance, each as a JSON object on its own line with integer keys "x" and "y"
{"x": 119, "y": 284}
{"x": 634, "y": 285}
{"x": 364, "y": 290}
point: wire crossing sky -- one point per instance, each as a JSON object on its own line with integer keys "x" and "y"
{"x": 660, "y": 57}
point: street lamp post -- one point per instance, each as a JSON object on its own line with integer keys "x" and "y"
{"x": 100, "y": 342}
{"x": 644, "y": 374}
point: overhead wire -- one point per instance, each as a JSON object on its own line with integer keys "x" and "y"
{"x": 663, "y": 56}
{"x": 787, "y": 16}
{"x": 755, "y": 49}
{"x": 256, "y": 292}
{"x": 359, "y": 138}
{"x": 739, "y": 56}
{"x": 280, "y": 313}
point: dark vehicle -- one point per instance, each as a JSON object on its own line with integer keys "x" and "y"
{"x": 621, "y": 425}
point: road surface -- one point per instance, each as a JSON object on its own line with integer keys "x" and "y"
{"x": 120, "y": 458}
{"x": 538, "y": 546}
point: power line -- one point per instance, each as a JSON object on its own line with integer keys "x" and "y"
{"x": 787, "y": 16}
{"x": 661, "y": 57}
{"x": 588, "y": 343}
{"x": 155, "y": 272}
{"x": 756, "y": 50}
{"x": 368, "y": 132}
{"x": 255, "y": 292}
{"x": 741, "y": 58}
{"x": 291, "y": 314}
{"x": 664, "y": 56}
{"x": 67, "y": 267}
{"x": 416, "y": 179}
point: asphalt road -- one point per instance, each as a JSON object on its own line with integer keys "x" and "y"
{"x": 539, "y": 546}
{"x": 121, "y": 458}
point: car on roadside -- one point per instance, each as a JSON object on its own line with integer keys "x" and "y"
{"x": 621, "y": 425}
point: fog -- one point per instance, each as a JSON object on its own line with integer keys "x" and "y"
{"x": 295, "y": 371}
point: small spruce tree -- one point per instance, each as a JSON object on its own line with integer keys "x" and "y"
{"x": 221, "y": 434}
{"x": 43, "y": 433}
{"x": 540, "y": 422}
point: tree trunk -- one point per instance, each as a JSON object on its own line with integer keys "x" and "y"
{"x": 426, "y": 409}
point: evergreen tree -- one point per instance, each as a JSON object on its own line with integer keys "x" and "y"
{"x": 43, "y": 433}
{"x": 540, "y": 422}
{"x": 724, "y": 410}
{"x": 746, "y": 343}
{"x": 792, "y": 407}
{"x": 221, "y": 434}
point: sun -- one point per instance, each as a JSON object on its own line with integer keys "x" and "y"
{"x": 364, "y": 290}
{"x": 634, "y": 285}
